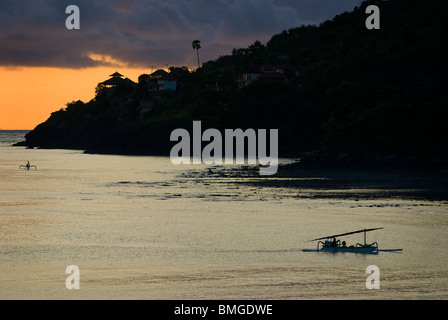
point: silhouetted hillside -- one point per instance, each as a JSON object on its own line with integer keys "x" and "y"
{"x": 344, "y": 92}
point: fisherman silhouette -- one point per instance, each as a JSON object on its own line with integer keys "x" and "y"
{"x": 334, "y": 243}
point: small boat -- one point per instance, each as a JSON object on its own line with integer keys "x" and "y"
{"x": 28, "y": 166}
{"x": 331, "y": 244}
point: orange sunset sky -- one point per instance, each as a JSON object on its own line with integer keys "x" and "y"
{"x": 28, "y": 95}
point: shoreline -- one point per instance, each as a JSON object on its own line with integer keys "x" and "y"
{"x": 338, "y": 182}
{"x": 334, "y": 176}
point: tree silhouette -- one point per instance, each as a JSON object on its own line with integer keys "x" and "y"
{"x": 196, "y": 46}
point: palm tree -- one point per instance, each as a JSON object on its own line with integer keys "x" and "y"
{"x": 196, "y": 46}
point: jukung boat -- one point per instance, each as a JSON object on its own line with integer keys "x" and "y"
{"x": 27, "y": 166}
{"x": 332, "y": 244}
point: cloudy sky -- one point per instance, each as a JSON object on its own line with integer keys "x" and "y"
{"x": 147, "y": 32}
{"x": 43, "y": 65}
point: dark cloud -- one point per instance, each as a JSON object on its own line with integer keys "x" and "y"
{"x": 147, "y": 32}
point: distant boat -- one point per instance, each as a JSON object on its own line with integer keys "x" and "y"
{"x": 28, "y": 166}
{"x": 331, "y": 244}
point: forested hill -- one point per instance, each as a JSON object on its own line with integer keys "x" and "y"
{"x": 350, "y": 91}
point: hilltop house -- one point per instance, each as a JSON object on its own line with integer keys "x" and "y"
{"x": 287, "y": 70}
{"x": 116, "y": 80}
{"x": 247, "y": 76}
{"x": 266, "y": 72}
{"x": 160, "y": 80}
{"x": 269, "y": 72}
{"x": 156, "y": 83}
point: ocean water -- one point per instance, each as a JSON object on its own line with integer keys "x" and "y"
{"x": 143, "y": 228}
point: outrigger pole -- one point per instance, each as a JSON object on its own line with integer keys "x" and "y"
{"x": 345, "y": 234}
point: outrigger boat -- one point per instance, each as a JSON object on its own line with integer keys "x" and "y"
{"x": 28, "y": 166}
{"x": 331, "y": 244}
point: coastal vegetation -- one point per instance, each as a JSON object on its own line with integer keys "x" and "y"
{"x": 343, "y": 92}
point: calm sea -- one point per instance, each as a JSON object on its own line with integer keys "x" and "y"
{"x": 142, "y": 228}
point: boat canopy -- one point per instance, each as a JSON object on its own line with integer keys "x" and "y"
{"x": 345, "y": 234}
